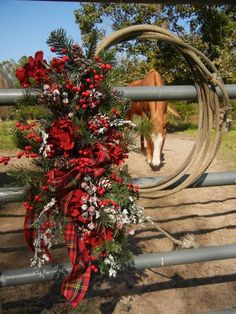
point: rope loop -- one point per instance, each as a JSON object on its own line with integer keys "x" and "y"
{"x": 212, "y": 110}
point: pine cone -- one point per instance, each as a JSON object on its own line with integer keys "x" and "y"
{"x": 61, "y": 163}
{"x": 104, "y": 182}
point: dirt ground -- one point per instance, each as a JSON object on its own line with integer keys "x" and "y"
{"x": 209, "y": 214}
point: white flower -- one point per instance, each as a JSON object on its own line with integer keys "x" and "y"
{"x": 92, "y": 210}
{"x": 119, "y": 225}
{"x": 87, "y": 178}
{"x": 83, "y": 185}
{"x": 91, "y": 226}
{"x": 93, "y": 199}
{"x": 112, "y": 272}
{"x": 112, "y": 217}
{"x": 84, "y": 207}
{"x": 56, "y": 92}
{"x": 84, "y": 199}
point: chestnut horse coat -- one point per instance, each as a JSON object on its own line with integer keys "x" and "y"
{"x": 156, "y": 111}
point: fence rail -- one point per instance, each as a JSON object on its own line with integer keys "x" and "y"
{"x": 16, "y": 194}
{"x": 172, "y": 258}
{"x": 174, "y": 92}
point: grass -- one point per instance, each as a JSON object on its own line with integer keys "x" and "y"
{"x": 6, "y": 138}
{"x": 228, "y": 143}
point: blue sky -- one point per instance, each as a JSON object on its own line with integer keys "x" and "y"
{"x": 26, "y": 25}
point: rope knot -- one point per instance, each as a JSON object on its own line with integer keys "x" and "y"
{"x": 214, "y": 79}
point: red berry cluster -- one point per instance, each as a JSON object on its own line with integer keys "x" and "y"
{"x": 37, "y": 198}
{"x": 94, "y": 268}
{"x": 108, "y": 202}
{"x": 28, "y": 206}
{"x": 116, "y": 178}
{"x": 101, "y": 190}
{"x": 132, "y": 187}
{"x": 116, "y": 112}
{"x": 45, "y": 188}
{"x": 30, "y": 128}
{"x": 4, "y": 160}
{"x": 98, "y": 122}
{"x": 47, "y": 225}
{"x": 28, "y": 153}
{"x": 58, "y": 64}
{"x": 51, "y": 151}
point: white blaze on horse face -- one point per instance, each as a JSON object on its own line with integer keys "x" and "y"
{"x": 157, "y": 144}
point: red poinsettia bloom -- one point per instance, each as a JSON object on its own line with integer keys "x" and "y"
{"x": 58, "y": 64}
{"x": 116, "y": 153}
{"x": 35, "y": 68}
{"x": 62, "y": 134}
{"x": 97, "y": 238}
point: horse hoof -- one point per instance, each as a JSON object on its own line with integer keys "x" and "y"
{"x": 156, "y": 167}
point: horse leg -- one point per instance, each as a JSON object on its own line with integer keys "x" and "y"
{"x": 149, "y": 150}
{"x": 142, "y": 144}
{"x": 157, "y": 145}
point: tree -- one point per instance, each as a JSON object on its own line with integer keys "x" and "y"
{"x": 7, "y": 72}
{"x": 210, "y": 28}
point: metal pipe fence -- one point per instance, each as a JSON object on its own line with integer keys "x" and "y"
{"x": 9, "y": 194}
{"x": 179, "y": 257}
{"x": 141, "y": 93}
{"x": 140, "y": 262}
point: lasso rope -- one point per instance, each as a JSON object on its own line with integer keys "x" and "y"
{"x": 212, "y": 111}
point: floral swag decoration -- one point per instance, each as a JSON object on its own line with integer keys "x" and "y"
{"x": 79, "y": 148}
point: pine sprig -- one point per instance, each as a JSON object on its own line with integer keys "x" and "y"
{"x": 25, "y": 177}
{"x": 60, "y": 40}
{"x": 93, "y": 40}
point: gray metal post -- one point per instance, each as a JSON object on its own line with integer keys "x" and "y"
{"x": 174, "y": 92}
{"x": 172, "y": 258}
{"x": 206, "y": 180}
{"x": 226, "y": 311}
{"x": 16, "y": 194}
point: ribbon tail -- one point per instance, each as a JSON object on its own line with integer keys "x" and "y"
{"x": 29, "y": 230}
{"x": 75, "y": 286}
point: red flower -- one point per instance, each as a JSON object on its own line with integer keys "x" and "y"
{"x": 20, "y": 74}
{"x": 35, "y": 68}
{"x": 116, "y": 153}
{"x": 97, "y": 238}
{"x": 58, "y": 64}
{"x": 62, "y": 134}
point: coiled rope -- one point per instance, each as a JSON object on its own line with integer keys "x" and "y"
{"x": 212, "y": 110}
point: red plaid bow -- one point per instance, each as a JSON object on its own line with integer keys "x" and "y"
{"x": 76, "y": 284}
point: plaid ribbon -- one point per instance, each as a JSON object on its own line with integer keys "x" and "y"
{"x": 76, "y": 284}
{"x": 60, "y": 181}
{"x": 29, "y": 231}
